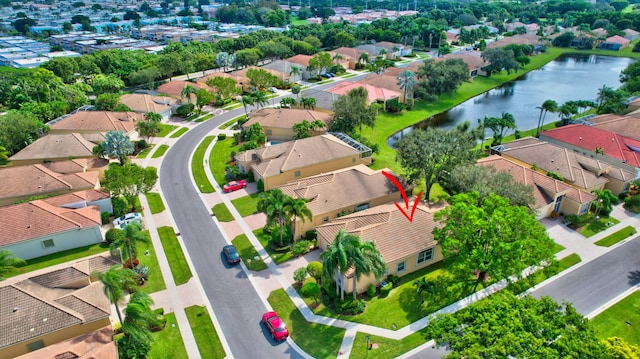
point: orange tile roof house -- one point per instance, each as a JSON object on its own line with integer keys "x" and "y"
{"x": 351, "y": 55}
{"x": 301, "y": 61}
{"x": 339, "y": 192}
{"x": 472, "y": 58}
{"x": 374, "y": 93}
{"x": 50, "y": 307}
{"x": 37, "y": 228}
{"x": 174, "y": 88}
{"x": 580, "y": 171}
{"x": 550, "y": 195}
{"x": 143, "y": 103}
{"x": 242, "y": 82}
{"x": 615, "y": 43}
{"x": 278, "y": 164}
{"x": 278, "y": 123}
{"x": 54, "y": 147}
{"x": 95, "y": 122}
{"x": 405, "y": 246}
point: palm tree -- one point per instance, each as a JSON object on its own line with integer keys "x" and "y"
{"x": 336, "y": 259}
{"x": 261, "y": 98}
{"x": 566, "y": 110}
{"x": 337, "y": 57}
{"x": 295, "y": 71}
{"x": 139, "y": 318}
{"x": 363, "y": 58}
{"x": 308, "y": 102}
{"x": 604, "y": 202}
{"x": 275, "y": 205}
{"x": 129, "y": 242}
{"x": 117, "y": 281}
{"x": 547, "y": 106}
{"x": 407, "y": 80}
{"x": 599, "y": 151}
{"x": 187, "y": 91}
{"x": 8, "y": 262}
{"x": 604, "y": 94}
{"x": 298, "y": 209}
{"x": 247, "y": 100}
{"x": 369, "y": 260}
{"x": 288, "y": 101}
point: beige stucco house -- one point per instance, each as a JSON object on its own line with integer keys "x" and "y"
{"x": 143, "y": 103}
{"x": 340, "y": 192}
{"x": 278, "y": 123}
{"x": 95, "y": 122}
{"x": 54, "y": 147}
{"x": 278, "y": 164}
{"x": 405, "y": 246}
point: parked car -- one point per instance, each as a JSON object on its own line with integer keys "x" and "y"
{"x": 331, "y": 74}
{"x": 275, "y": 325}
{"x": 128, "y": 218}
{"x": 326, "y": 76}
{"x": 231, "y": 253}
{"x": 234, "y": 186}
{"x": 273, "y": 89}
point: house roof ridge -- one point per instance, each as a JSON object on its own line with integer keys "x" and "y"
{"x": 56, "y": 211}
{"x": 51, "y": 303}
{"x": 54, "y": 175}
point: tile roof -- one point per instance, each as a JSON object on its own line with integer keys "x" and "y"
{"x": 97, "y": 344}
{"x": 394, "y": 236}
{"x": 144, "y": 103}
{"x": 589, "y": 137}
{"x": 36, "y": 219}
{"x": 523, "y": 39}
{"x": 543, "y": 186}
{"x": 628, "y": 126}
{"x": 472, "y": 58}
{"x": 236, "y": 78}
{"x": 288, "y": 156}
{"x": 175, "y": 87}
{"x": 286, "y": 117}
{"x": 390, "y": 45}
{"x": 300, "y": 60}
{"x": 351, "y": 53}
{"x": 67, "y": 166}
{"x": 56, "y": 146}
{"x": 99, "y": 121}
{"x": 75, "y": 197}
{"x": 33, "y": 180}
{"x": 338, "y": 189}
{"x": 243, "y": 72}
{"x": 384, "y": 80}
{"x": 617, "y": 39}
{"x": 374, "y": 93}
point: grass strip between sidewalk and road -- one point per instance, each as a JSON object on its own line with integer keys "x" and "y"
{"x": 204, "y": 118}
{"x": 222, "y": 213}
{"x": 230, "y": 122}
{"x": 155, "y": 202}
{"x": 248, "y": 253}
{"x": 168, "y": 342}
{"x": 160, "y": 151}
{"x": 197, "y": 166}
{"x": 175, "y": 256}
{"x": 386, "y": 348}
{"x": 616, "y": 237}
{"x": 544, "y": 274}
{"x": 59, "y": 258}
{"x": 179, "y": 133}
{"x": 165, "y": 129}
{"x": 620, "y": 320}
{"x": 247, "y": 205}
{"x": 318, "y": 340}
{"x": 204, "y": 332}
{"x": 145, "y": 153}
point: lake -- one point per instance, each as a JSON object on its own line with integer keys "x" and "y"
{"x": 572, "y": 77}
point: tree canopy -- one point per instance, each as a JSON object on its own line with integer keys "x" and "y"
{"x": 129, "y": 180}
{"x": 442, "y": 77}
{"x": 353, "y": 111}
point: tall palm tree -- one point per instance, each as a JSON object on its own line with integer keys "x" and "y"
{"x": 8, "y": 262}
{"x": 295, "y": 71}
{"x": 117, "y": 281}
{"x": 337, "y": 258}
{"x": 261, "y": 98}
{"x": 187, "y": 91}
{"x": 308, "y": 102}
{"x": 138, "y": 317}
{"x": 276, "y": 206}
{"x": 369, "y": 260}
{"x": 298, "y": 209}
{"x": 605, "y": 199}
{"x": 363, "y": 58}
{"x": 547, "y": 106}
{"x": 337, "y": 57}
{"x": 247, "y": 100}
{"x": 407, "y": 80}
{"x": 128, "y": 243}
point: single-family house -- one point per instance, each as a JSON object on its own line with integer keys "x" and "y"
{"x": 591, "y": 141}
{"x": 352, "y": 55}
{"x": 405, "y": 246}
{"x": 302, "y": 62}
{"x": 278, "y": 123}
{"x": 51, "y": 307}
{"x": 627, "y": 126}
{"x": 523, "y": 39}
{"x": 285, "y": 68}
{"x": 580, "y": 171}
{"x": 393, "y": 50}
{"x": 278, "y": 164}
{"x": 82, "y": 199}
{"x": 551, "y": 195}
{"x": 631, "y": 34}
{"x": 615, "y": 43}
{"x": 374, "y": 93}
{"x": 97, "y": 344}
{"x": 174, "y": 89}
{"x": 54, "y": 147}
{"x": 339, "y": 59}
{"x": 340, "y": 192}
{"x": 242, "y": 82}
{"x": 281, "y": 76}
{"x": 472, "y": 58}
{"x": 37, "y": 228}
{"x": 143, "y": 103}
{"x": 95, "y": 122}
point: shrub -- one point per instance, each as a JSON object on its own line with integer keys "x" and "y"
{"x": 113, "y": 234}
{"x": 105, "y": 216}
{"x": 142, "y": 144}
{"x": 222, "y": 136}
{"x": 310, "y": 290}
{"x": 314, "y": 269}
{"x": 351, "y": 307}
{"x": 300, "y": 248}
{"x": 232, "y": 172}
{"x": 385, "y": 289}
{"x": 185, "y": 110}
{"x": 249, "y": 146}
{"x": 632, "y": 204}
{"x": 393, "y": 279}
{"x": 260, "y": 185}
{"x": 300, "y": 274}
{"x": 371, "y": 290}
{"x": 287, "y": 237}
{"x": 250, "y": 177}
{"x": 237, "y": 138}
{"x": 120, "y": 206}
{"x": 311, "y": 235}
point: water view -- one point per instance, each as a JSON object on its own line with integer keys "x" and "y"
{"x": 567, "y": 78}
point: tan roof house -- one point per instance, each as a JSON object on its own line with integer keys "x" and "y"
{"x": 351, "y": 55}
{"x": 580, "y": 171}
{"x": 174, "y": 89}
{"x": 278, "y": 123}
{"x": 472, "y": 58}
{"x": 405, "y": 246}
{"x": 550, "y": 195}
{"x": 54, "y": 147}
{"x": 615, "y": 43}
{"x": 374, "y": 93}
{"x": 37, "y": 228}
{"x": 301, "y": 61}
{"x": 97, "y": 344}
{"x": 278, "y": 164}
{"x": 242, "y": 82}
{"x": 340, "y": 192}
{"x": 54, "y": 306}
{"x": 628, "y": 126}
{"x": 143, "y": 103}
{"x": 95, "y": 122}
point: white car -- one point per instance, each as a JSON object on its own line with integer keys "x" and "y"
{"x": 128, "y": 218}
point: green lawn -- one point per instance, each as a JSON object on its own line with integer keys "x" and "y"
{"x": 230, "y": 122}
{"x": 620, "y": 320}
{"x": 616, "y": 237}
{"x": 247, "y": 205}
{"x": 172, "y": 249}
{"x": 165, "y": 129}
{"x": 179, "y": 133}
{"x": 544, "y": 274}
{"x": 58, "y": 258}
{"x": 277, "y": 257}
{"x": 319, "y": 341}
{"x": 222, "y": 212}
{"x": 160, "y": 151}
{"x": 248, "y": 253}
{"x": 557, "y": 248}
{"x": 232, "y": 107}
{"x": 296, "y": 21}
{"x": 204, "y": 332}
{"x": 387, "y": 348}
{"x": 144, "y": 153}
{"x": 219, "y": 158}
{"x": 155, "y": 202}
{"x": 156, "y": 281}
{"x": 204, "y": 118}
{"x": 197, "y": 166}
{"x": 597, "y": 226}
{"x": 347, "y": 76}
{"x": 168, "y": 342}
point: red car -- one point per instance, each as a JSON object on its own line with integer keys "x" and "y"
{"x": 275, "y": 325}
{"x": 234, "y": 186}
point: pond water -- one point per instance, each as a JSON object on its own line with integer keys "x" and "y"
{"x": 567, "y": 78}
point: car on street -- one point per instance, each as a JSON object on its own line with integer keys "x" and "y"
{"x": 326, "y": 76}
{"x": 231, "y": 254}
{"x": 273, "y": 89}
{"x": 275, "y": 325}
{"x": 234, "y": 186}
{"x": 128, "y": 218}
{"x": 331, "y": 74}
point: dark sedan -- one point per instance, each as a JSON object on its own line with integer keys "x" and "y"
{"x": 231, "y": 254}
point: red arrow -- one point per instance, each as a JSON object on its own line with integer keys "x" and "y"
{"x": 404, "y": 195}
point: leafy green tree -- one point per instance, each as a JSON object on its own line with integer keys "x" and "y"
{"x": 547, "y": 106}
{"x": 117, "y": 145}
{"x": 353, "y": 111}
{"x": 288, "y": 101}
{"x": 500, "y": 125}
{"x": 150, "y": 126}
{"x": 407, "y": 81}
{"x": 203, "y": 97}
{"x": 117, "y": 281}
{"x": 308, "y": 102}
{"x": 520, "y": 327}
{"x": 314, "y": 269}
{"x": 490, "y": 238}
{"x": 320, "y": 62}
{"x": 255, "y": 133}
{"x": 8, "y": 263}
{"x": 295, "y": 89}
{"x": 311, "y": 290}
{"x": 604, "y": 202}
{"x": 303, "y": 129}
{"x": 108, "y": 101}
{"x": 128, "y": 244}
{"x": 107, "y": 84}
{"x": 247, "y": 100}
{"x": 260, "y": 98}
{"x": 64, "y": 67}
{"x": 442, "y": 77}
{"x": 500, "y": 59}
{"x": 248, "y": 57}
{"x": 129, "y": 180}
{"x": 138, "y": 320}
{"x": 224, "y": 87}
{"x": 260, "y": 78}
{"x": 18, "y": 130}
{"x": 4, "y": 156}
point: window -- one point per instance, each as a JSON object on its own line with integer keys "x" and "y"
{"x": 362, "y": 207}
{"x": 353, "y": 159}
{"x": 584, "y": 208}
{"x": 35, "y": 345}
{"x": 297, "y": 174}
{"x": 269, "y": 132}
{"x": 48, "y": 243}
{"x": 401, "y": 267}
{"x": 425, "y": 256}
{"x": 325, "y": 219}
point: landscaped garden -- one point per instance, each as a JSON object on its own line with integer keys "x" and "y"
{"x": 277, "y": 256}
{"x": 204, "y": 332}
{"x": 595, "y": 226}
{"x": 175, "y": 256}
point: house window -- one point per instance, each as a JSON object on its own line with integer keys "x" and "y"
{"x": 584, "y": 208}
{"x": 297, "y": 174}
{"x": 353, "y": 159}
{"x": 269, "y": 132}
{"x": 401, "y": 267}
{"x": 425, "y": 256}
{"x": 626, "y": 187}
{"x": 35, "y": 345}
{"x": 48, "y": 243}
{"x": 325, "y": 219}
{"x": 362, "y": 207}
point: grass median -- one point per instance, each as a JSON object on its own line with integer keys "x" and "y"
{"x": 616, "y": 237}
{"x": 160, "y": 151}
{"x": 197, "y": 166}
{"x": 249, "y": 254}
{"x": 156, "y": 281}
{"x": 204, "y": 332}
{"x": 175, "y": 256}
{"x": 179, "y": 133}
{"x": 222, "y": 213}
{"x": 155, "y": 202}
{"x": 168, "y": 342}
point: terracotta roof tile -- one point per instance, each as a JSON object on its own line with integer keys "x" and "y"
{"x": 286, "y": 117}
{"x": 143, "y": 103}
{"x": 300, "y": 59}
{"x": 56, "y": 146}
{"x": 374, "y": 93}
{"x": 174, "y": 88}
{"x": 98, "y": 121}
